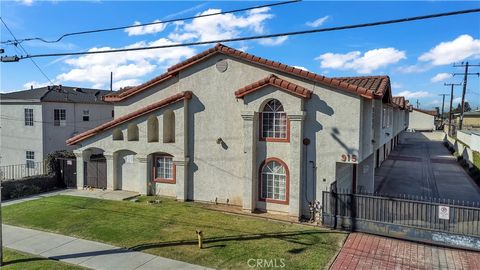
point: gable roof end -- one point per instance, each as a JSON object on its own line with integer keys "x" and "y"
{"x": 400, "y": 102}
{"x": 225, "y": 50}
{"x": 277, "y": 82}
{"x": 127, "y": 117}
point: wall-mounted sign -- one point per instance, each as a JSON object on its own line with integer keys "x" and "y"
{"x": 348, "y": 158}
{"x": 443, "y": 212}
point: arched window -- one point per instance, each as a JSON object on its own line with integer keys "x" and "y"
{"x": 132, "y": 132}
{"x": 274, "y": 181}
{"x": 117, "y": 135}
{"x": 168, "y": 126}
{"x": 152, "y": 129}
{"x": 274, "y": 124}
{"x": 164, "y": 169}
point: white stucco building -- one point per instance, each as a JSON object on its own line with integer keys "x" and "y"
{"x": 422, "y": 120}
{"x": 37, "y": 122}
{"x": 235, "y": 128}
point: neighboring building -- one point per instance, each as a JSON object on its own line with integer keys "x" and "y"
{"x": 471, "y": 120}
{"x": 422, "y": 120}
{"x": 231, "y": 127}
{"x": 37, "y": 122}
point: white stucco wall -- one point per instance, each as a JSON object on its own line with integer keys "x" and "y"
{"x": 421, "y": 121}
{"x": 216, "y": 171}
{"x": 15, "y": 137}
{"x": 55, "y": 136}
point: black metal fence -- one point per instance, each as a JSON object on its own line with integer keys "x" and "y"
{"x": 11, "y": 172}
{"x": 447, "y": 222}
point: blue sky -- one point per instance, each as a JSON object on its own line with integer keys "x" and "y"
{"x": 417, "y": 56}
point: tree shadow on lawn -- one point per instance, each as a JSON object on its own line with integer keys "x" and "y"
{"x": 285, "y": 236}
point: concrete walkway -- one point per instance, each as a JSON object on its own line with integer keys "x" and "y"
{"x": 422, "y": 166}
{"x": 364, "y": 251}
{"x": 85, "y": 253}
{"x": 114, "y": 195}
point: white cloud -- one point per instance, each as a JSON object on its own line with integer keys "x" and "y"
{"x": 440, "y": 77}
{"x": 318, "y": 22}
{"x": 413, "y": 69}
{"x": 414, "y": 94}
{"x": 396, "y": 85}
{"x": 35, "y": 84}
{"x": 300, "y": 67}
{"x": 447, "y": 52}
{"x": 147, "y": 29}
{"x": 364, "y": 64}
{"x": 224, "y": 26}
{"x": 434, "y": 102}
{"x": 273, "y": 41}
{"x": 458, "y": 100}
{"x": 124, "y": 83}
{"x": 25, "y": 2}
{"x": 126, "y": 66}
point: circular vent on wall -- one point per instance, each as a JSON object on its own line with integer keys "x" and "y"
{"x": 222, "y": 65}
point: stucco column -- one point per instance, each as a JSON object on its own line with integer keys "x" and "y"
{"x": 181, "y": 178}
{"x": 249, "y": 153}
{"x": 79, "y": 173}
{"x": 142, "y": 174}
{"x": 296, "y": 163}
{"x": 110, "y": 171}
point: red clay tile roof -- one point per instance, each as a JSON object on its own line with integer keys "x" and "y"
{"x": 379, "y": 85}
{"x": 275, "y": 81}
{"x": 145, "y": 110}
{"x": 400, "y": 102}
{"x": 222, "y": 49}
{"x": 430, "y": 112}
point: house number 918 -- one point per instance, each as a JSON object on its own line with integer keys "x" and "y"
{"x": 349, "y": 158}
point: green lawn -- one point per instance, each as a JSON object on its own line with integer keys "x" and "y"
{"x": 15, "y": 260}
{"x": 168, "y": 230}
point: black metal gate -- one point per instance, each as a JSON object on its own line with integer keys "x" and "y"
{"x": 67, "y": 171}
{"x": 434, "y": 221}
{"x": 95, "y": 172}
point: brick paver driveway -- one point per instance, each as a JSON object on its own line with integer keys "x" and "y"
{"x": 364, "y": 251}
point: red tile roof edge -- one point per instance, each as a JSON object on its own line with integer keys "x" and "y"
{"x": 275, "y": 81}
{"x": 220, "y": 48}
{"x": 400, "y": 102}
{"x": 432, "y": 113}
{"x": 113, "y": 123}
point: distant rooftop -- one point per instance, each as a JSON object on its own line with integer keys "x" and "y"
{"x": 58, "y": 93}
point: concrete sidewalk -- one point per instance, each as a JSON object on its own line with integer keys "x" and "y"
{"x": 85, "y": 253}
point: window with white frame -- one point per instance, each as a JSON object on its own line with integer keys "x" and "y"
{"x": 30, "y": 157}
{"x": 28, "y": 117}
{"x": 164, "y": 170}
{"x": 384, "y": 118}
{"x": 274, "y": 182}
{"x": 274, "y": 121}
{"x": 59, "y": 117}
{"x": 86, "y": 115}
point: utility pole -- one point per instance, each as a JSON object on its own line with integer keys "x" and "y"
{"x": 443, "y": 104}
{"x": 451, "y": 102}
{"x": 111, "y": 81}
{"x": 418, "y": 104}
{"x": 465, "y": 77}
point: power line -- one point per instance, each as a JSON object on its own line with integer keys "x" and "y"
{"x": 146, "y": 24}
{"x": 33, "y": 61}
{"x": 303, "y": 32}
